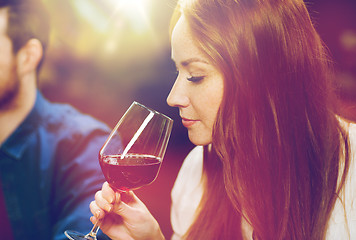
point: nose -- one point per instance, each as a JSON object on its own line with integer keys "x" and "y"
{"x": 178, "y": 97}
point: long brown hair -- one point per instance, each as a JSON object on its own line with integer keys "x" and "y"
{"x": 278, "y": 148}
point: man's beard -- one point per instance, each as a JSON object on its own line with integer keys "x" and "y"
{"x": 10, "y": 92}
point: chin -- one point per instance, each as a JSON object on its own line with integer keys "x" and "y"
{"x": 199, "y": 140}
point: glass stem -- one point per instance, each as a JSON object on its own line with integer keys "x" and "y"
{"x": 93, "y": 231}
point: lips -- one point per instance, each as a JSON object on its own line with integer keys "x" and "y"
{"x": 188, "y": 122}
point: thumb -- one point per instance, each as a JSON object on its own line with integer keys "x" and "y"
{"x": 124, "y": 203}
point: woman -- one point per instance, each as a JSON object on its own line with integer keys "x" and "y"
{"x": 273, "y": 160}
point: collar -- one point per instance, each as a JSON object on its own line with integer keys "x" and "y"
{"x": 16, "y": 144}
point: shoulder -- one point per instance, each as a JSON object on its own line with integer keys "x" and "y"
{"x": 350, "y": 129}
{"x": 187, "y": 192}
{"x": 343, "y": 217}
{"x": 65, "y": 131}
{"x": 64, "y": 118}
{"x": 352, "y": 134}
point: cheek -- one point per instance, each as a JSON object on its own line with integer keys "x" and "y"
{"x": 214, "y": 103}
{"x": 210, "y": 107}
{"x": 7, "y": 70}
{"x": 7, "y": 63}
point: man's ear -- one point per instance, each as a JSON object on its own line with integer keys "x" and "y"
{"x": 29, "y": 56}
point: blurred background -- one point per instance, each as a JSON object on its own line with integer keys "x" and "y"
{"x": 104, "y": 54}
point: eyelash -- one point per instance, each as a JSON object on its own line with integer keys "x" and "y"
{"x": 195, "y": 79}
{"x": 192, "y": 78}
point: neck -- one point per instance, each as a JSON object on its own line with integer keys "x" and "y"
{"x": 13, "y": 115}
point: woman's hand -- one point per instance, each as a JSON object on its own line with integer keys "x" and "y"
{"x": 123, "y": 216}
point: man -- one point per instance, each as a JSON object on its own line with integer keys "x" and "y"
{"x": 49, "y": 169}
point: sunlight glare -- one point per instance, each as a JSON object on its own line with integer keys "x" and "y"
{"x": 135, "y": 11}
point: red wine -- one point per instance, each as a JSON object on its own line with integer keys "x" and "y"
{"x": 131, "y": 172}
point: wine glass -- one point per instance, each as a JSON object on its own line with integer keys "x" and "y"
{"x": 132, "y": 155}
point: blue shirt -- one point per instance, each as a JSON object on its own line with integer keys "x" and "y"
{"x": 50, "y": 172}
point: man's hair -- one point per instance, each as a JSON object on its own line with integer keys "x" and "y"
{"x": 27, "y": 19}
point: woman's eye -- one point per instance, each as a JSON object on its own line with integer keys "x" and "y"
{"x": 195, "y": 79}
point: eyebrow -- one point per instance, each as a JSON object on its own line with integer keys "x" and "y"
{"x": 191, "y": 60}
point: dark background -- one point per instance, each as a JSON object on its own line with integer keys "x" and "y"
{"x": 104, "y": 54}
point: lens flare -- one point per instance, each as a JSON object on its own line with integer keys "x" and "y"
{"x": 135, "y": 12}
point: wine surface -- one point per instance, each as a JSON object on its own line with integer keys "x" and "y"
{"x": 131, "y": 172}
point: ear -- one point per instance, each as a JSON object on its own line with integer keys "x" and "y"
{"x": 29, "y": 56}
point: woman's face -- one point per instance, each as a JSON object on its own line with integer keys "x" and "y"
{"x": 199, "y": 87}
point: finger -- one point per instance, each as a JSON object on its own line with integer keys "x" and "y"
{"x": 117, "y": 197}
{"x": 101, "y": 202}
{"x": 93, "y": 219}
{"x": 96, "y": 211}
{"x": 127, "y": 204}
{"x": 108, "y": 193}
{"x": 131, "y": 208}
{"x": 132, "y": 200}
{"x": 122, "y": 209}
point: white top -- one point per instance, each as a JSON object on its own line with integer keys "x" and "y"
{"x": 187, "y": 193}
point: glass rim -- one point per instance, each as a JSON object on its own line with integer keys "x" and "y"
{"x": 151, "y": 110}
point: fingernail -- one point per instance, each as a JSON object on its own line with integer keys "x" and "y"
{"x": 109, "y": 208}
{"x": 97, "y": 214}
{"x": 117, "y": 197}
